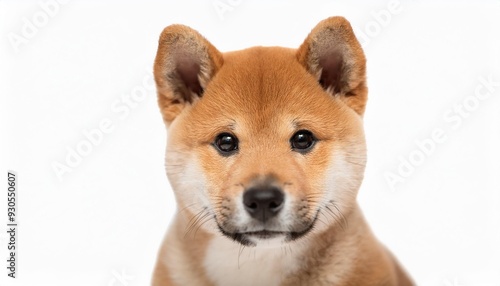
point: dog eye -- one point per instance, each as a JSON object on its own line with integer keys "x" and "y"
{"x": 302, "y": 140}
{"x": 226, "y": 143}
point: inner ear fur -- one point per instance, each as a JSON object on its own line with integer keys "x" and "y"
{"x": 333, "y": 55}
{"x": 185, "y": 63}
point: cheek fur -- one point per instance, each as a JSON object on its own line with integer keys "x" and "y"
{"x": 344, "y": 175}
{"x": 187, "y": 179}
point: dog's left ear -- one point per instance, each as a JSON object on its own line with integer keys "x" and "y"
{"x": 333, "y": 55}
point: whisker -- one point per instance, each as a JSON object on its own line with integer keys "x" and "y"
{"x": 355, "y": 163}
{"x": 338, "y": 215}
{"x": 335, "y": 216}
{"x": 321, "y": 221}
{"x": 206, "y": 218}
{"x": 242, "y": 247}
{"x": 178, "y": 151}
{"x": 186, "y": 207}
{"x": 174, "y": 165}
{"x": 193, "y": 221}
{"x": 341, "y": 214}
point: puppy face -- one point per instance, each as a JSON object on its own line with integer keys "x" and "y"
{"x": 265, "y": 144}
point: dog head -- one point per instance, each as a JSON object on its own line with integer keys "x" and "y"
{"x": 264, "y": 144}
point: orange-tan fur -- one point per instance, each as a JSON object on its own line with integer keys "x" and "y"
{"x": 263, "y": 95}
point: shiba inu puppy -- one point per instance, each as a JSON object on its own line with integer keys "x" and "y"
{"x": 266, "y": 154}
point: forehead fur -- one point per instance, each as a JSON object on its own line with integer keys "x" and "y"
{"x": 265, "y": 88}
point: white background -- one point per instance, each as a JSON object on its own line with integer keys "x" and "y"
{"x": 102, "y": 223}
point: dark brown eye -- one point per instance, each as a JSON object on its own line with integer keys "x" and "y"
{"x": 302, "y": 140}
{"x": 226, "y": 143}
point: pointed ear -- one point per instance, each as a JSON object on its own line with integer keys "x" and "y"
{"x": 184, "y": 64}
{"x": 333, "y": 55}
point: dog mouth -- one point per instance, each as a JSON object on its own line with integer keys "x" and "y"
{"x": 248, "y": 238}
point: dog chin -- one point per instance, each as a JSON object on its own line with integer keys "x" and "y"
{"x": 273, "y": 241}
{"x": 267, "y": 238}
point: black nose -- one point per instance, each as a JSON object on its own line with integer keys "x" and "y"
{"x": 263, "y": 202}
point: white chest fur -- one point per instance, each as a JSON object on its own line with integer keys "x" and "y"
{"x": 228, "y": 264}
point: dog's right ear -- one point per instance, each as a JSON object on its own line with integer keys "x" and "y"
{"x": 184, "y": 64}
